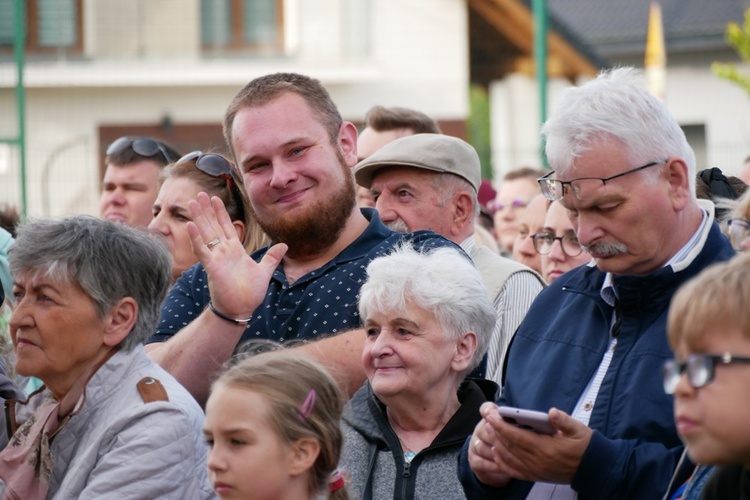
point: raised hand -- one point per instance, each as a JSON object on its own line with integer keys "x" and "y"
{"x": 236, "y": 282}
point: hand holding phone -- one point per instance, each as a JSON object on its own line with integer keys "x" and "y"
{"x": 536, "y": 421}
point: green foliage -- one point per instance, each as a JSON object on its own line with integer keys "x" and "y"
{"x": 479, "y": 127}
{"x": 738, "y": 37}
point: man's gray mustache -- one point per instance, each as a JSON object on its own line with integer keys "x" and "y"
{"x": 606, "y": 249}
{"x": 398, "y": 225}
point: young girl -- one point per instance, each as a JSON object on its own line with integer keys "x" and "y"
{"x": 272, "y": 425}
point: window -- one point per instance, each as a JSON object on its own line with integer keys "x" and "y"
{"x": 51, "y": 25}
{"x": 239, "y": 25}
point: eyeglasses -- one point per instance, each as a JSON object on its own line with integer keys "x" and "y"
{"x": 496, "y": 206}
{"x": 144, "y": 146}
{"x": 544, "y": 241}
{"x": 585, "y": 187}
{"x": 216, "y": 165}
{"x": 739, "y": 231}
{"x": 700, "y": 369}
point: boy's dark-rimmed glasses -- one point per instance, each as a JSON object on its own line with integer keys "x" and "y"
{"x": 700, "y": 369}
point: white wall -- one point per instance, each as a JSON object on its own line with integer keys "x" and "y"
{"x": 515, "y": 122}
{"x": 420, "y": 59}
{"x": 694, "y": 95}
{"x": 391, "y": 52}
{"x": 697, "y": 96}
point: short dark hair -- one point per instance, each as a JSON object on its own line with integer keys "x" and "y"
{"x": 265, "y": 89}
{"x": 9, "y": 218}
{"x": 712, "y": 184}
{"x": 524, "y": 172}
{"x": 381, "y": 119}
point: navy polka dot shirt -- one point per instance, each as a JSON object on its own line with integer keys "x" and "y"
{"x": 324, "y": 301}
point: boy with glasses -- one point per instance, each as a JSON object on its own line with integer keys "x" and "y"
{"x": 709, "y": 332}
{"x": 131, "y": 181}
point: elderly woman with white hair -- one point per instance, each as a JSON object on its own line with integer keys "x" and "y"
{"x": 428, "y": 321}
{"x": 108, "y": 422}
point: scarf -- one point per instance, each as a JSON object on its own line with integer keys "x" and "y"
{"x": 26, "y": 463}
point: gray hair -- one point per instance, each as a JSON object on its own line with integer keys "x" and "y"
{"x": 442, "y": 281}
{"x": 109, "y": 261}
{"x": 447, "y": 185}
{"x": 617, "y": 106}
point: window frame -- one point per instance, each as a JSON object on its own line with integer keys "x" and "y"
{"x": 31, "y": 41}
{"x": 237, "y": 41}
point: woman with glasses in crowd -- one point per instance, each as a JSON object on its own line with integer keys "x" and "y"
{"x": 531, "y": 222}
{"x": 181, "y": 182}
{"x": 557, "y": 243}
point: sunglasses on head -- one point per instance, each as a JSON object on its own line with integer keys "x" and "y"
{"x": 212, "y": 164}
{"x": 216, "y": 165}
{"x": 144, "y": 146}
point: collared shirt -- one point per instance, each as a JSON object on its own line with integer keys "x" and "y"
{"x": 324, "y": 301}
{"x": 608, "y": 290}
{"x": 511, "y": 304}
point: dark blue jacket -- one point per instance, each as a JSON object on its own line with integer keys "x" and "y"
{"x": 558, "y": 348}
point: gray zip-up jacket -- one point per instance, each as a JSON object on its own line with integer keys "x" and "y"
{"x": 372, "y": 453}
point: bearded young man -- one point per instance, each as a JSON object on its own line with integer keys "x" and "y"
{"x": 295, "y": 154}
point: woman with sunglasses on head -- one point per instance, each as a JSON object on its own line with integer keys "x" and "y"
{"x": 558, "y": 245}
{"x": 181, "y": 182}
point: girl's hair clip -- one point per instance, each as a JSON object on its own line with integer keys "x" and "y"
{"x": 306, "y": 409}
{"x": 335, "y": 481}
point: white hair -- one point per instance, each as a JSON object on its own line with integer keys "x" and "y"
{"x": 441, "y": 280}
{"x": 616, "y": 106}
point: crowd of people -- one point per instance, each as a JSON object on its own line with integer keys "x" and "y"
{"x": 601, "y": 297}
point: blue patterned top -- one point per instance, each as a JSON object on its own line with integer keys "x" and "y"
{"x": 324, "y": 301}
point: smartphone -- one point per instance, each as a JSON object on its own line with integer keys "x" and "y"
{"x": 536, "y": 421}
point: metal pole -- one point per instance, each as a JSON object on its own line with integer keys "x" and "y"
{"x": 539, "y": 9}
{"x": 19, "y": 31}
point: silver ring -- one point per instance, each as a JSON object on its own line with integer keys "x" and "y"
{"x": 211, "y": 244}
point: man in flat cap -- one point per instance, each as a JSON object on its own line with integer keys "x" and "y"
{"x": 430, "y": 181}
